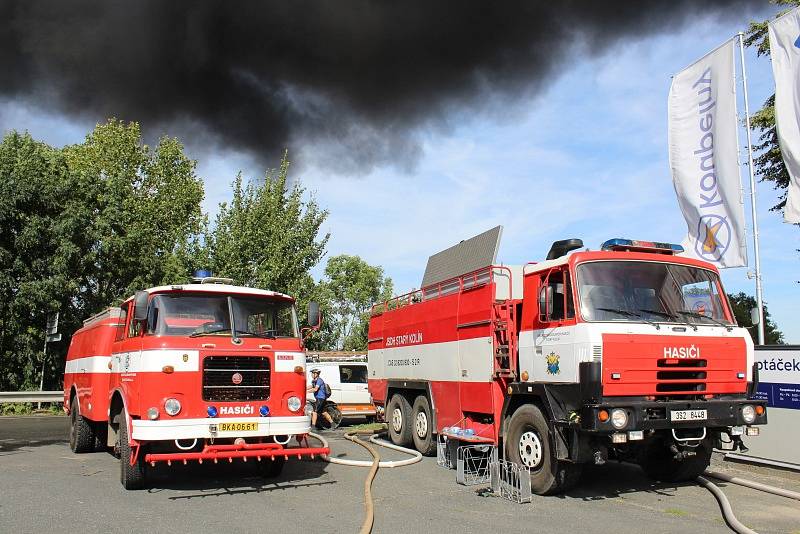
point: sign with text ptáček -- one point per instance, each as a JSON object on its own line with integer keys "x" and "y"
{"x": 779, "y": 376}
{"x": 704, "y": 160}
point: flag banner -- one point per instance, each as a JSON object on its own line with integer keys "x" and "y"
{"x": 784, "y": 44}
{"x": 704, "y": 159}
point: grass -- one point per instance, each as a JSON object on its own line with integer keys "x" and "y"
{"x": 29, "y": 408}
{"x": 368, "y": 426}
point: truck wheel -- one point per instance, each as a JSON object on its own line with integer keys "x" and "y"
{"x": 269, "y": 468}
{"x": 131, "y": 476}
{"x": 399, "y": 415}
{"x": 422, "y": 432}
{"x": 81, "y": 432}
{"x": 660, "y": 464}
{"x": 529, "y": 443}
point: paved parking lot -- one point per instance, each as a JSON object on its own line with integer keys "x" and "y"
{"x": 45, "y": 487}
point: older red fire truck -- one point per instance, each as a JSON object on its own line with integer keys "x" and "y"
{"x": 631, "y": 352}
{"x": 205, "y": 371}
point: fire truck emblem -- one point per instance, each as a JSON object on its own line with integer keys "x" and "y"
{"x": 236, "y": 378}
{"x": 185, "y": 358}
{"x": 552, "y": 360}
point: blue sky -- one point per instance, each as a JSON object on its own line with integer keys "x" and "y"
{"x": 586, "y": 158}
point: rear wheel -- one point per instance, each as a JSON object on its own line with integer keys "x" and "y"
{"x": 81, "y": 432}
{"x": 399, "y": 415}
{"x": 271, "y": 467}
{"x": 529, "y": 443}
{"x": 423, "y": 426}
{"x": 660, "y": 464}
{"x": 131, "y": 476}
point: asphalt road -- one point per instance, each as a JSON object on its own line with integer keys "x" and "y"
{"x": 44, "y": 487}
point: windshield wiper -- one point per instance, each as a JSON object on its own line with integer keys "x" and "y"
{"x": 630, "y": 314}
{"x": 209, "y": 332}
{"x": 266, "y": 334}
{"x": 701, "y": 316}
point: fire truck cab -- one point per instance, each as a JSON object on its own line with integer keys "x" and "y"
{"x": 630, "y": 352}
{"x": 206, "y": 371}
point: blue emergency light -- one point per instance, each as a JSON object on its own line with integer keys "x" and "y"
{"x": 634, "y": 245}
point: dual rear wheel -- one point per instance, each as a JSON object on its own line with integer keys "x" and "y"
{"x": 411, "y": 424}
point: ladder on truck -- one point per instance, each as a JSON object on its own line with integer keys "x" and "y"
{"x": 504, "y": 326}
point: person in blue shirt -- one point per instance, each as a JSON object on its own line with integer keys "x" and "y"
{"x": 318, "y": 387}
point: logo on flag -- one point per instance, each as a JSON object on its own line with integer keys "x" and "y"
{"x": 714, "y": 237}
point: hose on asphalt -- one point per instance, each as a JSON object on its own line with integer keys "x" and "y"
{"x": 369, "y": 506}
{"x": 725, "y": 505}
{"x": 754, "y": 485}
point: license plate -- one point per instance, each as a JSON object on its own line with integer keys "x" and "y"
{"x": 688, "y": 415}
{"x": 237, "y": 427}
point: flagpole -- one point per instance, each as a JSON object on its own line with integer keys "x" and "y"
{"x": 759, "y": 298}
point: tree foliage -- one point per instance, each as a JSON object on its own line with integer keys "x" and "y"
{"x": 350, "y": 288}
{"x": 81, "y": 228}
{"x": 768, "y": 163}
{"x": 742, "y": 303}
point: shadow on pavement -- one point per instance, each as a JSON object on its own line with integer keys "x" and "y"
{"x": 615, "y": 479}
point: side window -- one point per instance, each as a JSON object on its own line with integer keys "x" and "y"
{"x": 134, "y": 327}
{"x": 353, "y": 374}
{"x": 123, "y": 316}
{"x": 569, "y": 304}
{"x": 555, "y": 297}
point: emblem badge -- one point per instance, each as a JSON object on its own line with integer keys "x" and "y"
{"x": 236, "y": 378}
{"x": 185, "y": 358}
{"x": 552, "y": 363}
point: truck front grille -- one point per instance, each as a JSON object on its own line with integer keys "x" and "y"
{"x": 220, "y": 374}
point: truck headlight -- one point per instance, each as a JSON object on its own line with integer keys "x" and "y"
{"x": 619, "y": 418}
{"x": 172, "y": 406}
{"x": 748, "y": 413}
{"x": 293, "y": 403}
{"x": 152, "y": 413}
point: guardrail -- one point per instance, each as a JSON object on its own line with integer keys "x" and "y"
{"x": 31, "y": 396}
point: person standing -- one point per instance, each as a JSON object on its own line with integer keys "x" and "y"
{"x": 318, "y": 388}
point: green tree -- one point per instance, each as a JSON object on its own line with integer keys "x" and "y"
{"x": 742, "y": 303}
{"x": 769, "y": 163}
{"x": 268, "y": 236}
{"x": 351, "y": 288}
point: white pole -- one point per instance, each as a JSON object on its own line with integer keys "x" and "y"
{"x": 759, "y": 299}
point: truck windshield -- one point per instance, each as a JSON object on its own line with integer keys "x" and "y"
{"x": 649, "y": 292}
{"x": 209, "y": 315}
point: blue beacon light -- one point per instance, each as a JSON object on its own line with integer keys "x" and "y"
{"x": 212, "y": 411}
{"x": 264, "y": 411}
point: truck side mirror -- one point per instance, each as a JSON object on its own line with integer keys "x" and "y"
{"x": 140, "y": 306}
{"x": 313, "y": 314}
{"x": 545, "y": 303}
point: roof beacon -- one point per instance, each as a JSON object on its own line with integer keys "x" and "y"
{"x": 633, "y": 245}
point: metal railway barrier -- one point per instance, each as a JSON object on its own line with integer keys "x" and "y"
{"x": 31, "y": 396}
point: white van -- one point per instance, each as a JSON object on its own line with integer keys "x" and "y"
{"x": 348, "y": 382}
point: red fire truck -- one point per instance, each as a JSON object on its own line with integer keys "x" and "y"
{"x": 631, "y": 352}
{"x": 205, "y": 371}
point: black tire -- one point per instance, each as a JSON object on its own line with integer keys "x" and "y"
{"x": 422, "y": 426}
{"x": 81, "y": 432}
{"x": 100, "y": 437}
{"x": 530, "y": 443}
{"x": 660, "y": 464}
{"x": 271, "y": 468}
{"x": 398, "y": 414}
{"x": 335, "y": 413}
{"x": 131, "y": 476}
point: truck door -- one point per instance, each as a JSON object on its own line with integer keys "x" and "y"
{"x": 127, "y": 359}
{"x": 554, "y": 358}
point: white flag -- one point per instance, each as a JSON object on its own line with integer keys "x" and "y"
{"x": 784, "y": 44}
{"x": 704, "y": 159}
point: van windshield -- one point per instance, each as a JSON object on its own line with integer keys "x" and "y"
{"x": 638, "y": 291}
{"x": 209, "y": 315}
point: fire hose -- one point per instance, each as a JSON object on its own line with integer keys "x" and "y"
{"x": 369, "y": 507}
{"x": 725, "y": 505}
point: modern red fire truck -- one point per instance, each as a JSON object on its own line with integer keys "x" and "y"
{"x": 205, "y": 371}
{"x": 630, "y": 352}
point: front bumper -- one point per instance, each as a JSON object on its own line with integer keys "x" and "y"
{"x": 171, "y": 429}
{"x": 653, "y": 415}
{"x": 257, "y": 451}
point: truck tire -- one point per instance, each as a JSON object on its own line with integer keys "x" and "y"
{"x": 399, "y": 416}
{"x": 660, "y": 464}
{"x": 422, "y": 432}
{"x": 529, "y": 443}
{"x": 131, "y": 476}
{"x": 81, "y": 431}
{"x": 269, "y": 468}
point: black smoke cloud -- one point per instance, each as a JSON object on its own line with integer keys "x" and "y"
{"x": 346, "y": 83}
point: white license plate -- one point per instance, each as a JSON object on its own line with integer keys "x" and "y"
{"x": 688, "y": 415}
